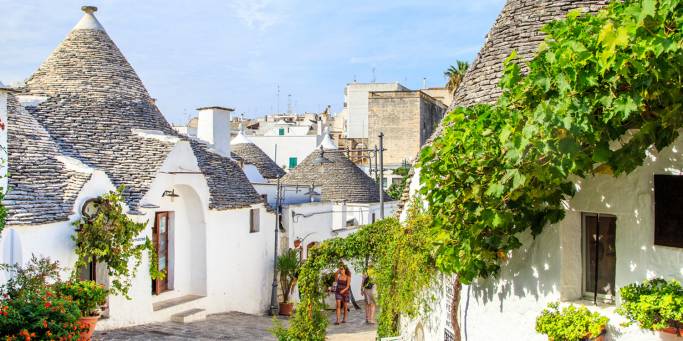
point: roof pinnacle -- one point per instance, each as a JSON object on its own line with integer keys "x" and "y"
{"x": 89, "y": 22}
{"x": 89, "y": 9}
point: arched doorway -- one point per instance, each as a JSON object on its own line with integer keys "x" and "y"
{"x": 180, "y": 240}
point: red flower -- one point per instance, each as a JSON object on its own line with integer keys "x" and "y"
{"x": 48, "y": 304}
{"x": 44, "y": 323}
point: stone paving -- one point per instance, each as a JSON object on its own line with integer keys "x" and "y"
{"x": 235, "y": 326}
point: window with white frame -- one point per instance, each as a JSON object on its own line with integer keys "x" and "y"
{"x": 599, "y": 256}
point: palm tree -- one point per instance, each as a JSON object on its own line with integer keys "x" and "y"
{"x": 454, "y": 75}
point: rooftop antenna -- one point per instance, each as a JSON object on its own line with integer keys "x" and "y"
{"x": 373, "y": 74}
{"x": 354, "y": 78}
{"x": 278, "y": 98}
{"x": 424, "y": 82}
{"x": 289, "y": 103}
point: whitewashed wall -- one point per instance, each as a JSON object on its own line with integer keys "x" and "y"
{"x": 292, "y": 194}
{"x": 549, "y": 267}
{"x": 287, "y": 146}
{"x": 213, "y": 253}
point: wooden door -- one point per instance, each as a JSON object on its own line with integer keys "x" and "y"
{"x": 600, "y": 255}
{"x": 160, "y": 239}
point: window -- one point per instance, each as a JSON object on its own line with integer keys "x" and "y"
{"x": 384, "y": 183}
{"x": 599, "y": 256}
{"x": 668, "y": 210}
{"x": 88, "y": 272}
{"x": 281, "y": 131}
{"x": 373, "y": 218}
{"x": 254, "y": 219}
{"x": 160, "y": 234}
{"x": 292, "y": 162}
{"x": 352, "y": 222}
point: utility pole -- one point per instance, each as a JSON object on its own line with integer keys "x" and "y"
{"x": 381, "y": 175}
{"x": 273, "y": 293}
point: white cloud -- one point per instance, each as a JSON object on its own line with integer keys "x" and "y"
{"x": 257, "y": 14}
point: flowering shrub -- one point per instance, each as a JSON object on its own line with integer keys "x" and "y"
{"x": 31, "y": 308}
{"x": 40, "y": 315}
{"x": 88, "y": 295}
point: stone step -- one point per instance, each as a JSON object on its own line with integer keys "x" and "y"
{"x": 175, "y": 302}
{"x": 189, "y": 316}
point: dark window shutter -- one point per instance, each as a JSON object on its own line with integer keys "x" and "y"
{"x": 669, "y": 210}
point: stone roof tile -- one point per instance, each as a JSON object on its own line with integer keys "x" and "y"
{"x": 340, "y": 180}
{"x": 95, "y": 104}
{"x": 252, "y": 154}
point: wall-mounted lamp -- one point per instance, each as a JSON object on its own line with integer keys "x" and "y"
{"x": 170, "y": 194}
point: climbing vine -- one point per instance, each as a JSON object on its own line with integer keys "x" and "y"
{"x": 403, "y": 266}
{"x": 109, "y": 238}
{"x": 602, "y": 90}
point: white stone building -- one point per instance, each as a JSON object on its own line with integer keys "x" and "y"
{"x": 559, "y": 264}
{"x": 84, "y": 124}
{"x": 354, "y": 116}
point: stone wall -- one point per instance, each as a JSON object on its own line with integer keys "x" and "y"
{"x": 407, "y": 119}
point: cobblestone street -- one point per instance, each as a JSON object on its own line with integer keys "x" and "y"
{"x": 235, "y": 326}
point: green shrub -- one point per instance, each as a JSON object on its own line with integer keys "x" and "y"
{"x": 654, "y": 304}
{"x": 89, "y": 295}
{"x": 570, "y": 323}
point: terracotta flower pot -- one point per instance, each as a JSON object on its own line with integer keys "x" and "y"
{"x": 88, "y": 324}
{"x": 286, "y": 308}
{"x": 671, "y": 330}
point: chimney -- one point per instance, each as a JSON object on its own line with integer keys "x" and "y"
{"x": 213, "y": 127}
{"x": 319, "y": 126}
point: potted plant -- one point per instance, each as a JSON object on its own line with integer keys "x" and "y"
{"x": 288, "y": 269}
{"x": 571, "y": 323}
{"x": 655, "y": 305}
{"x": 90, "y": 297}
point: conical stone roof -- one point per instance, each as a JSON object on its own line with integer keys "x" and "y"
{"x": 250, "y": 153}
{"x": 340, "y": 180}
{"x": 95, "y": 108}
{"x": 42, "y": 189}
{"x": 517, "y": 28}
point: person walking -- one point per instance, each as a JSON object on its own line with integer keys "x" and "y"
{"x": 369, "y": 292}
{"x": 342, "y": 291}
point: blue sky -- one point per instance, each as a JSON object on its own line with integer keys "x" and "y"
{"x": 235, "y": 53}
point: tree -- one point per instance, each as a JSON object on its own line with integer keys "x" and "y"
{"x": 455, "y": 74}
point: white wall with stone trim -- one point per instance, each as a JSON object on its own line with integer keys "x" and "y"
{"x": 287, "y": 146}
{"x": 549, "y": 268}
